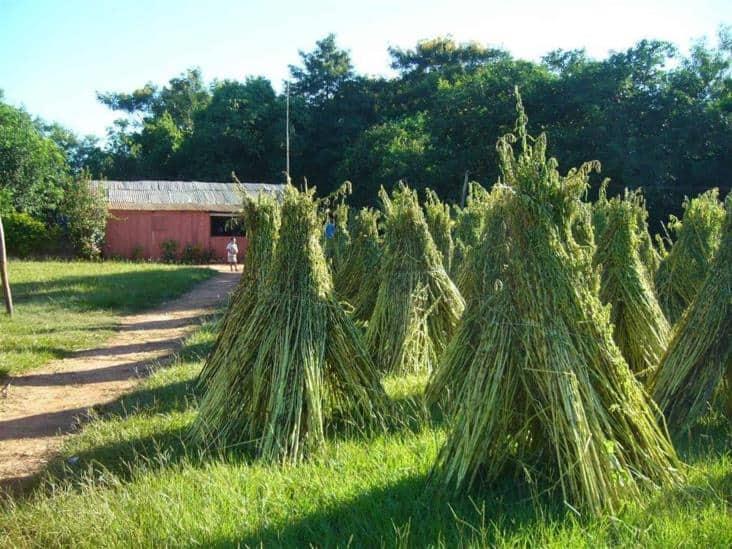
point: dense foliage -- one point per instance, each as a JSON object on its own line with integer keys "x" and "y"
{"x": 32, "y": 166}
{"x": 653, "y": 117}
{"x": 26, "y": 236}
{"x": 45, "y": 193}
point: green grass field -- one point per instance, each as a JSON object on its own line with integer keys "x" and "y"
{"x": 64, "y": 306}
{"x": 131, "y": 479}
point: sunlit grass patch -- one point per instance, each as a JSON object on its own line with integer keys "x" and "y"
{"x": 61, "y": 306}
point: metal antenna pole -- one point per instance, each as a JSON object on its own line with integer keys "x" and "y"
{"x": 287, "y": 130}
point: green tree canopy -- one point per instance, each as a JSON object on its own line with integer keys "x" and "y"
{"x": 33, "y": 169}
{"x": 323, "y": 72}
{"x": 654, "y": 118}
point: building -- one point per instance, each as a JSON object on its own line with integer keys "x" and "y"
{"x": 146, "y": 214}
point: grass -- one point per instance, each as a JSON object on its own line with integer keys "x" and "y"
{"x": 61, "y": 307}
{"x": 130, "y": 479}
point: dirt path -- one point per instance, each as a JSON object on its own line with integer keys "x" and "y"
{"x": 39, "y": 408}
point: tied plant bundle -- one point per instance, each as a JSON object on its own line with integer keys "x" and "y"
{"x": 358, "y": 280}
{"x": 684, "y": 268}
{"x": 261, "y": 219}
{"x": 480, "y": 209}
{"x": 468, "y": 225}
{"x": 698, "y": 360}
{"x": 298, "y": 364}
{"x": 540, "y": 389}
{"x": 418, "y": 306}
{"x": 640, "y": 328}
{"x": 439, "y": 222}
{"x": 483, "y": 271}
{"x": 649, "y": 255}
{"x": 583, "y": 229}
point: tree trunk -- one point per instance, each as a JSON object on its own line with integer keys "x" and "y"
{"x": 4, "y": 272}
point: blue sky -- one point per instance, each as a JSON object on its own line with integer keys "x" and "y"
{"x": 54, "y": 55}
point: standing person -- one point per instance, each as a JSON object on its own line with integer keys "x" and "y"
{"x": 330, "y": 228}
{"x": 231, "y": 252}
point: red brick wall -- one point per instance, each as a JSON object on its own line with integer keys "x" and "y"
{"x": 128, "y": 229}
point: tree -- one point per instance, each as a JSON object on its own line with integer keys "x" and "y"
{"x": 181, "y": 98}
{"x": 444, "y": 56}
{"x": 241, "y": 130}
{"x": 466, "y": 116}
{"x": 652, "y": 117}
{"x": 139, "y": 101}
{"x": 84, "y": 216}
{"x": 431, "y": 62}
{"x": 338, "y": 105}
{"x": 159, "y": 142}
{"x": 385, "y": 154}
{"x": 80, "y": 152}
{"x": 32, "y": 166}
{"x": 325, "y": 70}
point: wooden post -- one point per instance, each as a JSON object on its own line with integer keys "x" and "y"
{"x": 465, "y": 189}
{"x": 4, "y": 272}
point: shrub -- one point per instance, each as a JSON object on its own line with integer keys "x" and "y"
{"x": 170, "y": 251}
{"x": 26, "y": 236}
{"x": 84, "y": 215}
{"x": 193, "y": 254}
{"x": 137, "y": 253}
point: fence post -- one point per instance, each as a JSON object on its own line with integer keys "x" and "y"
{"x": 4, "y": 272}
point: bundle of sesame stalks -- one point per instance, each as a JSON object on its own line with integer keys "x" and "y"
{"x": 482, "y": 270}
{"x": 700, "y": 352}
{"x": 684, "y": 268}
{"x": 649, "y": 255}
{"x": 468, "y": 227}
{"x": 298, "y": 362}
{"x": 358, "y": 281}
{"x": 540, "y": 389}
{"x": 439, "y": 222}
{"x": 480, "y": 209}
{"x": 641, "y": 331}
{"x": 418, "y": 306}
{"x": 261, "y": 218}
{"x": 582, "y": 227}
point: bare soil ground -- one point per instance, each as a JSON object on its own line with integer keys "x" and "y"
{"x": 39, "y": 408}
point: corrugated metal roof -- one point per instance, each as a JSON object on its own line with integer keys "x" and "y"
{"x": 181, "y": 195}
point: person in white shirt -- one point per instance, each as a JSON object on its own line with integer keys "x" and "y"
{"x": 231, "y": 252}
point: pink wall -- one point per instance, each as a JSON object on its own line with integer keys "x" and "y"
{"x": 127, "y": 229}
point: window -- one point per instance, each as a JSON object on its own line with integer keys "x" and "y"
{"x": 226, "y": 225}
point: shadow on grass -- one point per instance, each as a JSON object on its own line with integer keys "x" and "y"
{"x": 411, "y": 512}
{"x": 125, "y": 292}
{"x": 164, "y": 448}
{"x": 101, "y": 327}
{"x": 167, "y": 447}
{"x": 710, "y": 437}
{"x": 172, "y": 397}
{"x": 123, "y": 458}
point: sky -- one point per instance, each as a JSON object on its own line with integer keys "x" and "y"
{"x": 55, "y": 55}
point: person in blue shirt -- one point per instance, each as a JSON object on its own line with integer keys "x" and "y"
{"x": 330, "y": 228}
